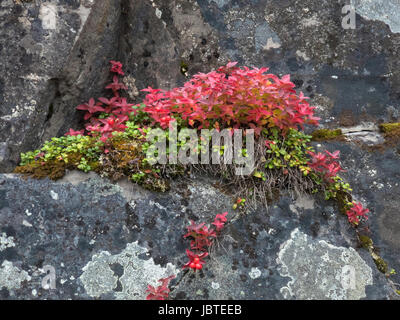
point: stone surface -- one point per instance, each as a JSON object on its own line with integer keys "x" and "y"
{"x": 109, "y": 241}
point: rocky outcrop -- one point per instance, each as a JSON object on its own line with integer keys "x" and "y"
{"x": 54, "y": 55}
{"x": 106, "y": 240}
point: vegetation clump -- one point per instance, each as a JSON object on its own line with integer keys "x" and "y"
{"x": 116, "y": 144}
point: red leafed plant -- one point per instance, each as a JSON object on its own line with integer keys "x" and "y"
{"x": 161, "y": 292}
{"x": 116, "y": 109}
{"x": 232, "y": 97}
{"x": 356, "y": 212}
{"x": 325, "y": 164}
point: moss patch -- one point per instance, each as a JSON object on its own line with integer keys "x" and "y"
{"x": 326, "y": 134}
{"x": 54, "y": 169}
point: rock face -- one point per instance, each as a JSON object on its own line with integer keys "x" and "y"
{"x": 106, "y": 240}
{"x": 96, "y": 235}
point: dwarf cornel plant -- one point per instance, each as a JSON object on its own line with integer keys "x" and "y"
{"x": 232, "y": 97}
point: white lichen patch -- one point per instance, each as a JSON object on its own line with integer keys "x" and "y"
{"x": 6, "y": 242}
{"x": 11, "y": 277}
{"x": 158, "y": 13}
{"x": 99, "y": 278}
{"x": 26, "y": 223}
{"x": 313, "y": 21}
{"x": 254, "y": 273}
{"x": 319, "y": 270}
{"x": 19, "y": 111}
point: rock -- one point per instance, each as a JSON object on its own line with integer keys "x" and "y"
{"x": 107, "y": 240}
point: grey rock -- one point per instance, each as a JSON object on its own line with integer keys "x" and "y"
{"x": 105, "y": 244}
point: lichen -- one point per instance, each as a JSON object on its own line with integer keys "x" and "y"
{"x": 98, "y": 277}
{"x": 184, "y": 68}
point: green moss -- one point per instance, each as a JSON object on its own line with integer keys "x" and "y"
{"x": 390, "y": 127}
{"x": 326, "y": 134}
{"x": 366, "y": 241}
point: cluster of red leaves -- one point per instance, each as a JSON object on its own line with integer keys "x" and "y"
{"x": 356, "y": 212}
{"x": 326, "y": 164}
{"x": 232, "y": 97}
{"x": 201, "y": 238}
{"x": 117, "y": 108}
{"x": 161, "y": 292}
